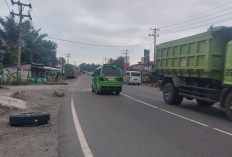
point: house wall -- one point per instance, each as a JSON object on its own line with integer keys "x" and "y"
{"x": 25, "y": 71}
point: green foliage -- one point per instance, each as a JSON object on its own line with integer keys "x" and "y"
{"x": 9, "y": 76}
{"x": 88, "y": 67}
{"x": 68, "y": 66}
{"x": 4, "y": 88}
{"x": 119, "y": 61}
{"x": 63, "y": 77}
{"x": 35, "y": 48}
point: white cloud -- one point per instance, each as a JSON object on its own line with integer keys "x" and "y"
{"x": 110, "y": 22}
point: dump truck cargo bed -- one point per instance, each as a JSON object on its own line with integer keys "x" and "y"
{"x": 201, "y": 55}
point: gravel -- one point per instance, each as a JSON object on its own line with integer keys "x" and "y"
{"x": 35, "y": 140}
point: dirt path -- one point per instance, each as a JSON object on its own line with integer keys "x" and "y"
{"x": 31, "y": 141}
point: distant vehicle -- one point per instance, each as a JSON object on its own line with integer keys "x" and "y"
{"x": 91, "y": 73}
{"x": 107, "y": 78}
{"x": 71, "y": 73}
{"x": 132, "y": 77}
{"x": 197, "y": 67}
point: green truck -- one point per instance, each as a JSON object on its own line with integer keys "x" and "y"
{"x": 197, "y": 67}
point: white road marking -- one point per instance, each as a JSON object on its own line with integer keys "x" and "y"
{"x": 177, "y": 115}
{"x": 84, "y": 145}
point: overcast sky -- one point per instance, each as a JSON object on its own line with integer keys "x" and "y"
{"x": 121, "y": 23}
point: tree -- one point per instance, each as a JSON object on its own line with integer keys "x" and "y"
{"x": 119, "y": 61}
{"x": 35, "y": 48}
{"x": 9, "y": 35}
{"x": 110, "y": 60}
{"x": 88, "y": 67}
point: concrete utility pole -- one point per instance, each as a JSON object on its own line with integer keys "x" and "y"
{"x": 155, "y": 35}
{"x": 126, "y": 53}
{"x": 68, "y": 55}
{"x": 104, "y": 59}
{"x": 21, "y": 16}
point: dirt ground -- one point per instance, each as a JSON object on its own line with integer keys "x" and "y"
{"x": 34, "y": 140}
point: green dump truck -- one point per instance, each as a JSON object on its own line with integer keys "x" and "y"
{"x": 197, "y": 67}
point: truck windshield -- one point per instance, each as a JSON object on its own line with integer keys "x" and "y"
{"x": 110, "y": 71}
{"x": 135, "y": 74}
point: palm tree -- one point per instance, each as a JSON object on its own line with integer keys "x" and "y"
{"x": 9, "y": 35}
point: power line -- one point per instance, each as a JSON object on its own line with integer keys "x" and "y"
{"x": 198, "y": 22}
{"x": 7, "y": 4}
{"x": 90, "y": 44}
{"x": 172, "y": 24}
{"x": 191, "y": 20}
{"x": 199, "y": 26}
{"x": 35, "y": 15}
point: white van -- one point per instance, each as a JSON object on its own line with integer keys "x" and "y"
{"x": 132, "y": 77}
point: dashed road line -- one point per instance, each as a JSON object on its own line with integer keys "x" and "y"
{"x": 84, "y": 145}
{"x": 177, "y": 115}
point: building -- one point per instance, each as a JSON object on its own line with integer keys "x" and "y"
{"x": 30, "y": 70}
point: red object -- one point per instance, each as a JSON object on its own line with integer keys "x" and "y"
{"x": 126, "y": 66}
{"x": 139, "y": 67}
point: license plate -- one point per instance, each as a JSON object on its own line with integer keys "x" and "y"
{"x": 111, "y": 79}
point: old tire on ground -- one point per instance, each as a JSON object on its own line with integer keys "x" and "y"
{"x": 228, "y": 106}
{"x": 170, "y": 94}
{"x": 29, "y": 118}
{"x": 204, "y": 103}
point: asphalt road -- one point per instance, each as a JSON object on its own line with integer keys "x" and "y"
{"x": 138, "y": 123}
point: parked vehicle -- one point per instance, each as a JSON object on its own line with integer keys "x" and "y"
{"x": 197, "y": 67}
{"x": 132, "y": 77}
{"x": 107, "y": 78}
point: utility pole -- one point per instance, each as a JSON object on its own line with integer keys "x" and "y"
{"x": 155, "y": 35}
{"x": 68, "y": 55}
{"x": 21, "y": 16}
{"x": 104, "y": 59}
{"x": 126, "y": 53}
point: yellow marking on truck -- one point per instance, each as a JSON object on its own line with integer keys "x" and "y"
{"x": 177, "y": 115}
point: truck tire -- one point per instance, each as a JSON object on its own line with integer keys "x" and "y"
{"x": 170, "y": 94}
{"x": 30, "y": 118}
{"x": 204, "y": 103}
{"x": 92, "y": 88}
{"x": 228, "y": 106}
{"x": 97, "y": 91}
{"x": 178, "y": 101}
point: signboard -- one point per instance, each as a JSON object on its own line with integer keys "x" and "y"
{"x": 146, "y": 56}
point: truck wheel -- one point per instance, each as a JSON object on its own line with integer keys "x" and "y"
{"x": 97, "y": 91}
{"x": 228, "y": 105}
{"x": 204, "y": 103}
{"x": 170, "y": 94}
{"x": 30, "y": 118}
{"x": 178, "y": 101}
{"x": 92, "y": 88}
